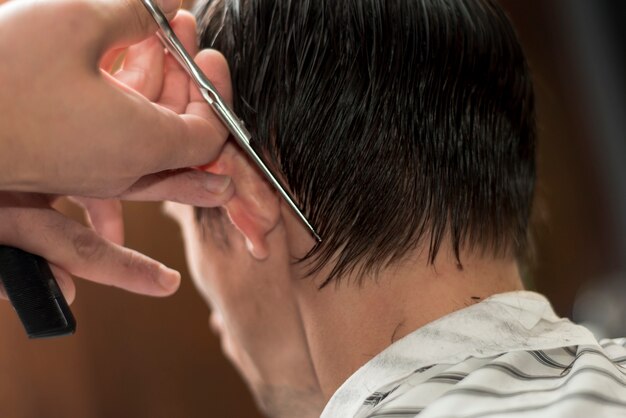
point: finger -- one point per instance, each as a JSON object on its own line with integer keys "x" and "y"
{"x": 144, "y": 66}
{"x": 162, "y": 139}
{"x": 125, "y": 22}
{"x": 82, "y": 252}
{"x": 184, "y": 25}
{"x": 142, "y": 69}
{"x": 175, "y": 94}
{"x": 65, "y": 282}
{"x": 192, "y": 187}
{"x": 105, "y": 216}
{"x": 215, "y": 67}
{"x": 159, "y": 138}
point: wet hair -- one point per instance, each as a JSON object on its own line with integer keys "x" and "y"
{"x": 397, "y": 124}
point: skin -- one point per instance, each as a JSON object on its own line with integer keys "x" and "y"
{"x": 295, "y": 344}
{"x": 70, "y": 127}
{"x": 61, "y": 95}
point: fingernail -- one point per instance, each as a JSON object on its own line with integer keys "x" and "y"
{"x": 217, "y": 184}
{"x": 169, "y": 6}
{"x": 169, "y": 279}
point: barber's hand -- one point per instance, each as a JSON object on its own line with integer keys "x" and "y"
{"x": 254, "y": 312}
{"x": 30, "y": 223}
{"x": 68, "y": 127}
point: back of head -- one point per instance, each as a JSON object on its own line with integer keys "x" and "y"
{"x": 397, "y": 124}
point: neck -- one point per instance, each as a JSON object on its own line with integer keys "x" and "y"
{"x": 348, "y": 324}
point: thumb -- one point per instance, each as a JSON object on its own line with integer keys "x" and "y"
{"x": 126, "y": 22}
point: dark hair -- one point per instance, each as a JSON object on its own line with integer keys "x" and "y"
{"x": 396, "y": 123}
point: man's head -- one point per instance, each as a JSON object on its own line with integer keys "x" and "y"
{"x": 398, "y": 125}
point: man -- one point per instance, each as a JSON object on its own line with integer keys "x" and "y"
{"x": 406, "y": 131}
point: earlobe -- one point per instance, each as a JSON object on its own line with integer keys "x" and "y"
{"x": 254, "y": 209}
{"x": 253, "y": 230}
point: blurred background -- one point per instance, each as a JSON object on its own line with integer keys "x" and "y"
{"x": 134, "y": 356}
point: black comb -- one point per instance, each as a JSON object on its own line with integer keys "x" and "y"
{"x": 35, "y": 294}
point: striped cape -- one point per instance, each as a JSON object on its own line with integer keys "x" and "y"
{"x": 508, "y": 356}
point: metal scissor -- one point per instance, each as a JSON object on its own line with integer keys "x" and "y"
{"x": 223, "y": 111}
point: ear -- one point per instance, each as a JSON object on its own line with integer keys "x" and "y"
{"x": 254, "y": 208}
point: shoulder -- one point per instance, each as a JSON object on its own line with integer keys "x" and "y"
{"x": 575, "y": 381}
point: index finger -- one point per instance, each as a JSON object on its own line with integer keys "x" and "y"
{"x": 215, "y": 66}
{"x": 154, "y": 138}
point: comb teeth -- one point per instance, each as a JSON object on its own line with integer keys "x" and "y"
{"x": 35, "y": 294}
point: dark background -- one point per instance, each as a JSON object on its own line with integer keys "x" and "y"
{"x": 135, "y": 356}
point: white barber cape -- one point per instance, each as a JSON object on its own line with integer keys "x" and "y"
{"x": 507, "y": 356}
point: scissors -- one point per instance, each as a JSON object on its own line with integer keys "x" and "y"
{"x": 224, "y": 112}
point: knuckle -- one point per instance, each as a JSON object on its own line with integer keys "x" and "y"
{"x": 78, "y": 17}
{"x": 88, "y": 246}
{"x": 141, "y": 266}
{"x": 140, "y": 17}
{"x": 130, "y": 261}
